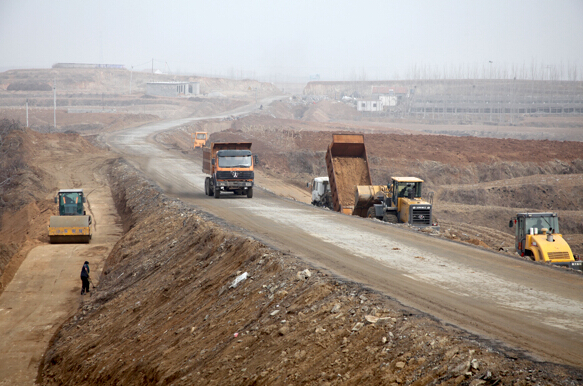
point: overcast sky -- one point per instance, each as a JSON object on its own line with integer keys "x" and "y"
{"x": 336, "y": 39}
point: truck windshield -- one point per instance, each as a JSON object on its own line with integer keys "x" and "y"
{"x": 235, "y": 162}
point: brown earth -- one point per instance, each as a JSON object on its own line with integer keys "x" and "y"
{"x": 165, "y": 310}
{"x": 168, "y": 311}
{"x": 349, "y": 170}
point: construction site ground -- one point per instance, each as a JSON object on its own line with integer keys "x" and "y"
{"x": 167, "y": 309}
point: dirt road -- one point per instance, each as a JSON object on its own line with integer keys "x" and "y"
{"x": 527, "y": 306}
{"x": 45, "y": 290}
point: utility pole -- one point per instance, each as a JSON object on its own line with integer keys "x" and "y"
{"x": 491, "y": 90}
{"x": 27, "y": 112}
{"x": 152, "y": 66}
{"x": 131, "y": 73}
{"x": 55, "y": 103}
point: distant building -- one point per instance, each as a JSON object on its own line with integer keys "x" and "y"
{"x": 369, "y": 105}
{"x": 391, "y": 96}
{"x": 89, "y": 65}
{"x": 173, "y": 89}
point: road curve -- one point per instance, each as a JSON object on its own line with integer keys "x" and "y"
{"x": 532, "y": 308}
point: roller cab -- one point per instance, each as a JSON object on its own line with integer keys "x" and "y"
{"x": 72, "y": 225}
{"x": 538, "y": 237}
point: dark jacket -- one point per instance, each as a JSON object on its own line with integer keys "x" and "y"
{"x": 85, "y": 270}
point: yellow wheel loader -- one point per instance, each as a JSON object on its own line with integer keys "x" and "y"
{"x": 538, "y": 237}
{"x": 399, "y": 202}
{"x": 72, "y": 225}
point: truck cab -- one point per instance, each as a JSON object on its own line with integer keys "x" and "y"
{"x": 321, "y": 194}
{"x": 230, "y": 166}
{"x": 538, "y": 237}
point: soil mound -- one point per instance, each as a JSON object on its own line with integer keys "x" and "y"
{"x": 349, "y": 170}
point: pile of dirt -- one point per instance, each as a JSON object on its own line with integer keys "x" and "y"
{"x": 185, "y": 301}
{"x": 349, "y": 171}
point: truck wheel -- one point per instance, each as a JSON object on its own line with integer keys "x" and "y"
{"x": 371, "y": 213}
{"x": 250, "y": 193}
{"x": 206, "y": 187}
{"x": 217, "y": 193}
{"x": 390, "y": 218}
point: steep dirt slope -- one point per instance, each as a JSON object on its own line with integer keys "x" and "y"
{"x": 173, "y": 308}
{"x": 24, "y": 207}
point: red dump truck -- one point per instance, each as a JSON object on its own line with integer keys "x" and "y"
{"x": 348, "y": 166}
{"x": 230, "y": 165}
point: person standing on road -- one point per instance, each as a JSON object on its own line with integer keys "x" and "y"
{"x": 85, "y": 278}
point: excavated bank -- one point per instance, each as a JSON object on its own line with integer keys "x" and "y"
{"x": 169, "y": 310}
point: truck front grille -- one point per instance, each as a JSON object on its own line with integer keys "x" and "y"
{"x": 235, "y": 175}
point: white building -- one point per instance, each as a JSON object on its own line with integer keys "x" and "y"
{"x": 173, "y": 89}
{"x": 369, "y": 105}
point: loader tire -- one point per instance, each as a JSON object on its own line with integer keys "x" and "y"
{"x": 371, "y": 213}
{"x": 250, "y": 193}
{"x": 390, "y": 218}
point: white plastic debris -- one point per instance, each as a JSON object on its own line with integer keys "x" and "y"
{"x": 238, "y": 280}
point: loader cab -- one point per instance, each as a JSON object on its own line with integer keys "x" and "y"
{"x": 405, "y": 187}
{"x": 71, "y": 202}
{"x": 200, "y": 139}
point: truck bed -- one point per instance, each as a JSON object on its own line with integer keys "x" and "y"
{"x": 348, "y": 166}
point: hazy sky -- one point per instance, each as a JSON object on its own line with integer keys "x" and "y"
{"x": 337, "y": 39}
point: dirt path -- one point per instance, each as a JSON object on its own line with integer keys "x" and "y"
{"x": 502, "y": 298}
{"x": 45, "y": 290}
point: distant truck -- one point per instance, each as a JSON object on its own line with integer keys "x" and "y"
{"x": 200, "y": 139}
{"x": 347, "y": 166}
{"x": 230, "y": 166}
{"x": 321, "y": 194}
{"x": 538, "y": 237}
{"x": 72, "y": 225}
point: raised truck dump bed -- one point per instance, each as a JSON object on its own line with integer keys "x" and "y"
{"x": 348, "y": 166}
